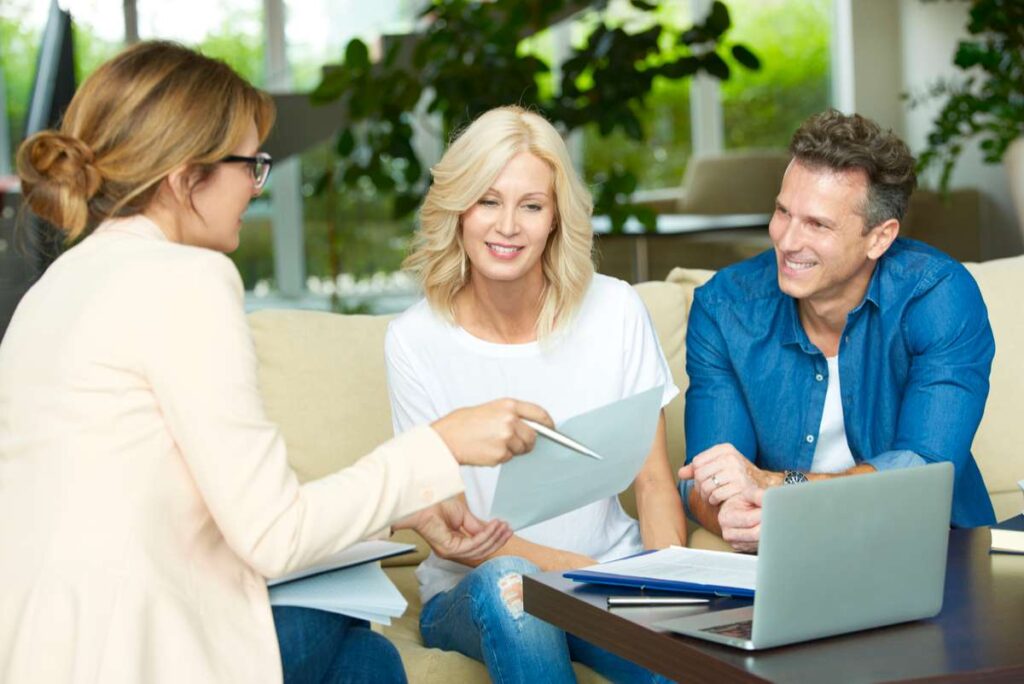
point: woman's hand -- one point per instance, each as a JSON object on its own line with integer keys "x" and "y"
{"x": 490, "y": 433}
{"x": 455, "y": 534}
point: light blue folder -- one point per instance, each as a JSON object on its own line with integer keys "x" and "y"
{"x": 552, "y": 479}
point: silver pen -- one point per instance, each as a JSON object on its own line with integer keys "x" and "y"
{"x": 648, "y": 601}
{"x": 556, "y": 436}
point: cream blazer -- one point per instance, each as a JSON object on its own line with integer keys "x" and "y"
{"x": 144, "y": 495}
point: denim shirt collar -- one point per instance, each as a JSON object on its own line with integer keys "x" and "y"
{"x": 793, "y": 332}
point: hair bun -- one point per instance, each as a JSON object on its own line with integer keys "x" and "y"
{"x": 64, "y": 160}
{"x": 59, "y": 177}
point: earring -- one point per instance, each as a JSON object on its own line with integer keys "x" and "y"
{"x": 463, "y": 266}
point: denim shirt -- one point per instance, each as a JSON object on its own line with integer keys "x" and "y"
{"x": 914, "y": 359}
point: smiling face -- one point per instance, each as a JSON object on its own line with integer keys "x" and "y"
{"x": 824, "y": 257}
{"x": 505, "y": 232}
{"x": 221, "y": 199}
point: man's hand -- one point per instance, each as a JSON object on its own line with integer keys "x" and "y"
{"x": 740, "y": 520}
{"x": 722, "y": 472}
{"x": 455, "y": 534}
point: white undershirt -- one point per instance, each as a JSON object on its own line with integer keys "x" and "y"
{"x": 832, "y": 455}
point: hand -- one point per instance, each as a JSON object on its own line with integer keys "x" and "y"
{"x": 490, "y": 433}
{"x": 455, "y": 534}
{"x": 740, "y": 520}
{"x": 722, "y": 472}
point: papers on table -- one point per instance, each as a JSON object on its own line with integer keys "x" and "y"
{"x": 553, "y": 479}
{"x": 1008, "y": 536}
{"x": 350, "y": 582}
{"x": 678, "y": 569}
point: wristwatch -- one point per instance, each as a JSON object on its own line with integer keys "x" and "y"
{"x": 794, "y": 477}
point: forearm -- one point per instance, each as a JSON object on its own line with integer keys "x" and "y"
{"x": 703, "y": 512}
{"x": 546, "y": 558}
{"x": 662, "y": 522}
{"x": 859, "y": 469}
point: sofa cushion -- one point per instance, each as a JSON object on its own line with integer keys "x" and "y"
{"x": 322, "y": 381}
{"x": 997, "y": 446}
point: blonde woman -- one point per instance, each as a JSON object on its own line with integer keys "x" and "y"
{"x": 144, "y": 495}
{"x": 513, "y": 307}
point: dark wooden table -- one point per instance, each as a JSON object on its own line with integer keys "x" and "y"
{"x": 978, "y": 636}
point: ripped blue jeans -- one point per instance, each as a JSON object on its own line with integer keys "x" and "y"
{"x": 483, "y": 618}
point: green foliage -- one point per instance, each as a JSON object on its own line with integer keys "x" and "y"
{"x": 18, "y": 49}
{"x": 239, "y": 43}
{"x": 470, "y": 59}
{"x": 987, "y": 104}
{"x": 763, "y": 108}
{"x": 90, "y": 50}
{"x": 760, "y": 108}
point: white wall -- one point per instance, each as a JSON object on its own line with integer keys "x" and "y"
{"x": 904, "y": 46}
{"x": 871, "y": 85}
{"x": 930, "y": 32}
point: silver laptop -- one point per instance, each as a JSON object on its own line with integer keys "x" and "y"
{"x": 841, "y": 555}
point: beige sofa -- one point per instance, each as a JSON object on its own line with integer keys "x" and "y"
{"x": 323, "y": 380}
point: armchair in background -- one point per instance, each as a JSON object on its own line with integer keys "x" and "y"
{"x": 747, "y": 182}
{"x": 734, "y": 182}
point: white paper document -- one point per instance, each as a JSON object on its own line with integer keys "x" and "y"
{"x": 350, "y": 582}
{"x": 553, "y": 479}
{"x": 687, "y": 566}
{"x": 362, "y": 591}
{"x": 361, "y": 552}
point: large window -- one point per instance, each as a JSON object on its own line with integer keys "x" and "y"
{"x": 21, "y": 25}
{"x": 763, "y": 108}
{"x": 660, "y": 160}
{"x": 759, "y": 108}
{"x": 353, "y": 245}
{"x": 350, "y": 237}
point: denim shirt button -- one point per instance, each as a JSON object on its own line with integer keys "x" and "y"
{"x": 810, "y": 439}
{"x": 819, "y": 377}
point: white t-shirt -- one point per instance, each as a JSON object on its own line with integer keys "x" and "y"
{"x": 608, "y": 352}
{"x": 832, "y": 454}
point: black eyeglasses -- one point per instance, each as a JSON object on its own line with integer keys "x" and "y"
{"x": 259, "y": 166}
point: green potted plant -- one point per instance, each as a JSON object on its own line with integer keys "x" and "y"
{"x": 987, "y": 103}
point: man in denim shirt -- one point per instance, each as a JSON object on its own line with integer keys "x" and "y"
{"x": 843, "y": 351}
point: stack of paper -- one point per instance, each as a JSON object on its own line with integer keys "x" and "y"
{"x": 351, "y": 583}
{"x": 678, "y": 569}
{"x": 362, "y": 592}
{"x": 553, "y": 479}
{"x": 1008, "y": 536}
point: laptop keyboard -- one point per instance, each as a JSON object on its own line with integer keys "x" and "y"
{"x": 739, "y": 630}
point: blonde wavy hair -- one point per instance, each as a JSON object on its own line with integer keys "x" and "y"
{"x": 467, "y": 170}
{"x": 150, "y": 109}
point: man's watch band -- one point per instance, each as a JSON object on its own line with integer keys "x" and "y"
{"x": 793, "y": 477}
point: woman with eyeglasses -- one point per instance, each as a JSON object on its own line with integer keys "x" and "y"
{"x": 144, "y": 495}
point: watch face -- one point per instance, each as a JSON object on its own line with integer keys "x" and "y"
{"x": 794, "y": 477}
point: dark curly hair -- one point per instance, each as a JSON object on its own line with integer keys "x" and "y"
{"x": 835, "y": 141}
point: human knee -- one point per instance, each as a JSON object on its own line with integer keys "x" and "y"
{"x": 499, "y": 585}
{"x": 369, "y": 657}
